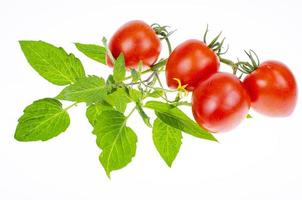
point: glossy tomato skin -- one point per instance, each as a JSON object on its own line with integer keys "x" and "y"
{"x": 137, "y": 41}
{"x": 272, "y": 88}
{"x": 191, "y": 62}
{"x": 220, "y": 103}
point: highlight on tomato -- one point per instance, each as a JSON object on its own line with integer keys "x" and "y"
{"x": 220, "y": 103}
{"x": 138, "y": 42}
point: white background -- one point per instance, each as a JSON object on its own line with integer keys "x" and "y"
{"x": 261, "y": 159}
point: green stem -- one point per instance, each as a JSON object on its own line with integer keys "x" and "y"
{"x": 152, "y": 68}
{"x": 112, "y": 59}
{"x": 184, "y": 103}
{"x": 160, "y": 84}
{"x": 74, "y": 104}
{"x": 169, "y": 45}
{"x": 159, "y": 64}
{"x": 158, "y": 88}
{"x": 167, "y": 100}
{"x": 133, "y": 109}
{"x": 230, "y": 63}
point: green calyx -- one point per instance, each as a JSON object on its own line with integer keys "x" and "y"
{"x": 164, "y": 34}
{"x": 248, "y": 67}
{"x": 244, "y": 67}
{"x": 216, "y": 44}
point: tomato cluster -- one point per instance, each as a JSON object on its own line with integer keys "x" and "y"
{"x": 220, "y": 100}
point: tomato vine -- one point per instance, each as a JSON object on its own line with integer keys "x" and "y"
{"x": 133, "y": 52}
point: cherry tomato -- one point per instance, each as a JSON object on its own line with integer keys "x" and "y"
{"x": 220, "y": 103}
{"x": 191, "y": 62}
{"x": 137, "y": 41}
{"x": 272, "y": 89}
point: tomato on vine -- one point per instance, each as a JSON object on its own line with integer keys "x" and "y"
{"x": 271, "y": 86}
{"x": 220, "y": 103}
{"x": 194, "y": 61}
{"x": 191, "y": 62}
{"x": 138, "y": 42}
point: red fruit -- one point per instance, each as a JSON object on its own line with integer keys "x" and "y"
{"x": 272, "y": 88}
{"x": 137, "y": 41}
{"x": 191, "y": 62}
{"x": 220, "y": 103}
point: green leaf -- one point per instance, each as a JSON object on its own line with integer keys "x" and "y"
{"x": 42, "y": 120}
{"x": 119, "y": 70}
{"x": 159, "y": 106}
{"x": 118, "y": 99}
{"x": 52, "y": 63}
{"x": 94, "y": 110}
{"x": 144, "y": 116}
{"x": 110, "y": 80}
{"x": 135, "y": 95}
{"x": 167, "y": 140}
{"x": 174, "y": 117}
{"x": 156, "y": 93}
{"x": 248, "y": 116}
{"x": 90, "y": 89}
{"x": 110, "y": 84}
{"x": 117, "y": 141}
{"x": 95, "y": 52}
{"x": 134, "y": 75}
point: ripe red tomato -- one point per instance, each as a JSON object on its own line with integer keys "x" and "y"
{"x": 191, "y": 62}
{"x": 137, "y": 41}
{"x": 220, "y": 103}
{"x": 272, "y": 89}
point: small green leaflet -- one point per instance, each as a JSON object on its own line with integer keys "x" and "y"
{"x": 156, "y": 93}
{"x": 52, "y": 63}
{"x": 135, "y": 95}
{"x": 110, "y": 84}
{"x": 248, "y": 116}
{"x": 176, "y": 118}
{"x": 167, "y": 140}
{"x": 119, "y": 70}
{"x": 110, "y": 80}
{"x": 134, "y": 75}
{"x": 94, "y": 110}
{"x": 159, "y": 106}
{"x": 42, "y": 120}
{"x": 144, "y": 116}
{"x": 140, "y": 68}
{"x": 117, "y": 141}
{"x": 118, "y": 99}
{"x": 95, "y": 52}
{"x": 90, "y": 89}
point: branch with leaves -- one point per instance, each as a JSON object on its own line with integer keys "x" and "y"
{"x": 107, "y": 101}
